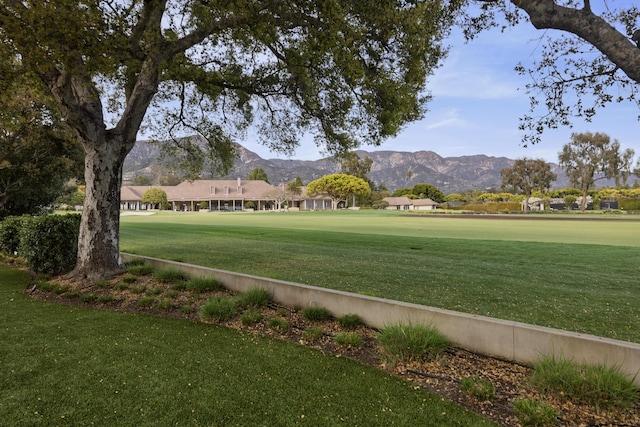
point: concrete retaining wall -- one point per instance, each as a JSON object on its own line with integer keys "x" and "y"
{"x": 509, "y": 340}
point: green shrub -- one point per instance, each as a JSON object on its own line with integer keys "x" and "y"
{"x": 278, "y": 324}
{"x": 535, "y": 413}
{"x": 350, "y": 321}
{"x": 312, "y": 334}
{"x": 219, "y": 309}
{"x": 254, "y": 297}
{"x": 596, "y": 385}
{"x": 165, "y": 304}
{"x": 348, "y": 339}
{"x": 409, "y": 342}
{"x": 140, "y": 269}
{"x": 146, "y": 301}
{"x": 10, "y": 233}
{"x": 50, "y": 243}
{"x": 479, "y": 388}
{"x": 251, "y": 317}
{"x": 88, "y": 297}
{"x": 169, "y": 275}
{"x": 202, "y": 284}
{"x": 316, "y": 314}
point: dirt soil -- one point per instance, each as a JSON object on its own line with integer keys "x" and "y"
{"x": 442, "y": 376}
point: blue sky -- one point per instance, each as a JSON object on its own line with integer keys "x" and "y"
{"x": 478, "y": 99}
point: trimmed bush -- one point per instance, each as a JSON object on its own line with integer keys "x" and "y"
{"x": 10, "y": 233}
{"x": 407, "y": 343}
{"x": 50, "y": 243}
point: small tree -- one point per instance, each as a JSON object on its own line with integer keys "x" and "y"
{"x": 569, "y": 201}
{"x": 156, "y": 197}
{"x": 338, "y": 187}
{"x": 294, "y": 188}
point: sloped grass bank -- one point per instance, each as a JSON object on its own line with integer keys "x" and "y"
{"x": 64, "y": 365}
{"x": 575, "y": 286}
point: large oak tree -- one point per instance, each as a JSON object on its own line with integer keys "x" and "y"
{"x": 348, "y": 71}
{"x": 527, "y": 176}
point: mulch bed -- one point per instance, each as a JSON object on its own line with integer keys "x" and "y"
{"x": 442, "y": 376}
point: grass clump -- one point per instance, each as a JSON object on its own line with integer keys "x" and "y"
{"x": 121, "y": 287}
{"x": 172, "y": 294}
{"x": 140, "y": 270}
{"x": 254, "y": 298}
{"x": 534, "y": 413}
{"x": 480, "y": 388}
{"x": 146, "y": 301}
{"x": 278, "y": 324}
{"x": 72, "y": 294}
{"x": 166, "y": 304}
{"x": 105, "y": 299}
{"x": 169, "y": 275}
{"x": 203, "y": 284}
{"x": 409, "y": 342}
{"x": 349, "y": 321}
{"x": 137, "y": 289}
{"x": 91, "y": 297}
{"x": 129, "y": 279}
{"x": 348, "y": 340}
{"x": 154, "y": 291}
{"x": 316, "y": 314}
{"x": 595, "y": 385}
{"x": 312, "y": 334}
{"x": 219, "y": 309}
{"x": 186, "y": 309}
{"x": 101, "y": 284}
{"x": 251, "y": 317}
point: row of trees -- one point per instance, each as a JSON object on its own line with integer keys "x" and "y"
{"x": 587, "y": 158}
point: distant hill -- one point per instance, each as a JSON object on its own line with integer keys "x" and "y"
{"x": 449, "y": 174}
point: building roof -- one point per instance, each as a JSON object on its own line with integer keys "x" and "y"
{"x": 219, "y": 189}
{"x": 398, "y": 201}
{"x": 423, "y": 202}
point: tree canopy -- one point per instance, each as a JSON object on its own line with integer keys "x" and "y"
{"x": 421, "y": 191}
{"x": 348, "y": 72}
{"x": 156, "y": 197}
{"x": 591, "y": 61}
{"x": 338, "y": 186}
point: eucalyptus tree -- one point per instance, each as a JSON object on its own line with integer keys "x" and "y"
{"x": 590, "y": 59}
{"x": 527, "y": 176}
{"x": 589, "y": 157}
{"x": 346, "y": 71}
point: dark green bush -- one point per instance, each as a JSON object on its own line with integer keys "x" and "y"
{"x": 50, "y": 243}
{"x": 10, "y": 233}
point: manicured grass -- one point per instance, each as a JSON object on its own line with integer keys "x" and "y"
{"x": 65, "y": 365}
{"x": 569, "y": 274}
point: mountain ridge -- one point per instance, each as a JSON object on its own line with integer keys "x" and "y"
{"x": 449, "y": 174}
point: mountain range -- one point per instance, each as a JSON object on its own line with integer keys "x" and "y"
{"x": 396, "y": 169}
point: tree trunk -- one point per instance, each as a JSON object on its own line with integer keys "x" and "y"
{"x": 98, "y": 242}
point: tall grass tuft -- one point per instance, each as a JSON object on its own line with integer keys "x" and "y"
{"x": 534, "y": 413}
{"x": 140, "y": 269}
{"x": 349, "y": 321}
{"x": 219, "y": 309}
{"x": 169, "y": 275}
{"x": 254, "y": 298}
{"x": 402, "y": 343}
{"x": 596, "y": 385}
{"x": 202, "y": 284}
{"x": 316, "y": 314}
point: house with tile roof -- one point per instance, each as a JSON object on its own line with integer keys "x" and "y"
{"x": 223, "y": 195}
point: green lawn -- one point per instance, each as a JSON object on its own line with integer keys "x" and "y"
{"x": 569, "y": 274}
{"x": 69, "y": 366}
